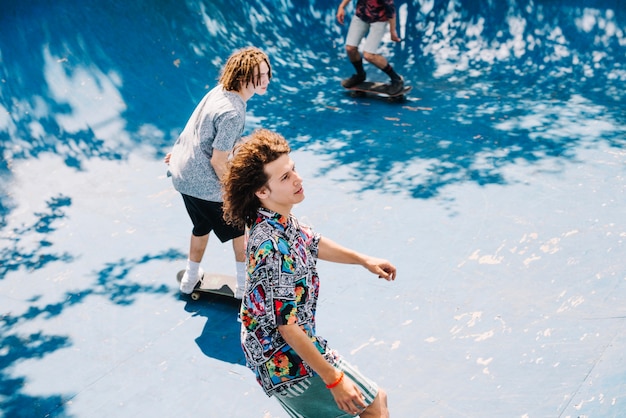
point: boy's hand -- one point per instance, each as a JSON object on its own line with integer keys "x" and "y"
{"x": 341, "y": 14}
{"x": 382, "y": 268}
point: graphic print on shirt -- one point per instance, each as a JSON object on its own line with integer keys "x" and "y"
{"x": 283, "y": 290}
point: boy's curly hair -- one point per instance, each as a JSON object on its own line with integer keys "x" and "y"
{"x": 246, "y": 175}
{"x": 242, "y": 67}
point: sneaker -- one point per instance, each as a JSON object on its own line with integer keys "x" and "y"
{"x": 354, "y": 80}
{"x": 396, "y": 86}
{"x": 187, "y": 284}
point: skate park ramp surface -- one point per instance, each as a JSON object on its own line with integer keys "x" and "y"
{"x": 497, "y": 188}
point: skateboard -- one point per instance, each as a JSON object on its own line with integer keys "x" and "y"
{"x": 218, "y": 284}
{"x": 377, "y": 89}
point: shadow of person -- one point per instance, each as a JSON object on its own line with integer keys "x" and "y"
{"x": 220, "y": 336}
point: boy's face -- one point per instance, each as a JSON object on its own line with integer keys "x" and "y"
{"x": 284, "y": 187}
{"x": 262, "y": 79}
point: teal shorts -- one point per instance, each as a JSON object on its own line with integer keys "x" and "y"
{"x": 311, "y": 398}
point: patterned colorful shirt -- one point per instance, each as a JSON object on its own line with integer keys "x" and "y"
{"x": 282, "y": 289}
{"x": 371, "y": 11}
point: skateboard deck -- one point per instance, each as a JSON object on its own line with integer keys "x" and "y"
{"x": 378, "y": 89}
{"x": 219, "y": 284}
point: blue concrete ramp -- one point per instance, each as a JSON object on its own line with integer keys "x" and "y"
{"x": 497, "y": 188}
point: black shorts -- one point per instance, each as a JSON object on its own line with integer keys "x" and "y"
{"x": 209, "y": 216}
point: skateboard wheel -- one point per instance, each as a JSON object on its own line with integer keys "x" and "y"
{"x": 195, "y": 296}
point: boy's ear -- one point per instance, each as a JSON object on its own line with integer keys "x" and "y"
{"x": 262, "y": 193}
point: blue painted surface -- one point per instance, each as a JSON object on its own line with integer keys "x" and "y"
{"x": 498, "y": 190}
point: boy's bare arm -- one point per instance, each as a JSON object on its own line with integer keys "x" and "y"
{"x": 329, "y": 250}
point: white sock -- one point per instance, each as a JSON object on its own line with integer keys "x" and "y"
{"x": 241, "y": 274}
{"x": 192, "y": 269}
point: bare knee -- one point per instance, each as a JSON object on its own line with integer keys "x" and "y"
{"x": 378, "y": 408}
{"x": 383, "y": 396}
{"x": 353, "y": 53}
{"x": 239, "y": 248}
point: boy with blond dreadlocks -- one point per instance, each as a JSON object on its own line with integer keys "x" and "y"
{"x": 199, "y": 157}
